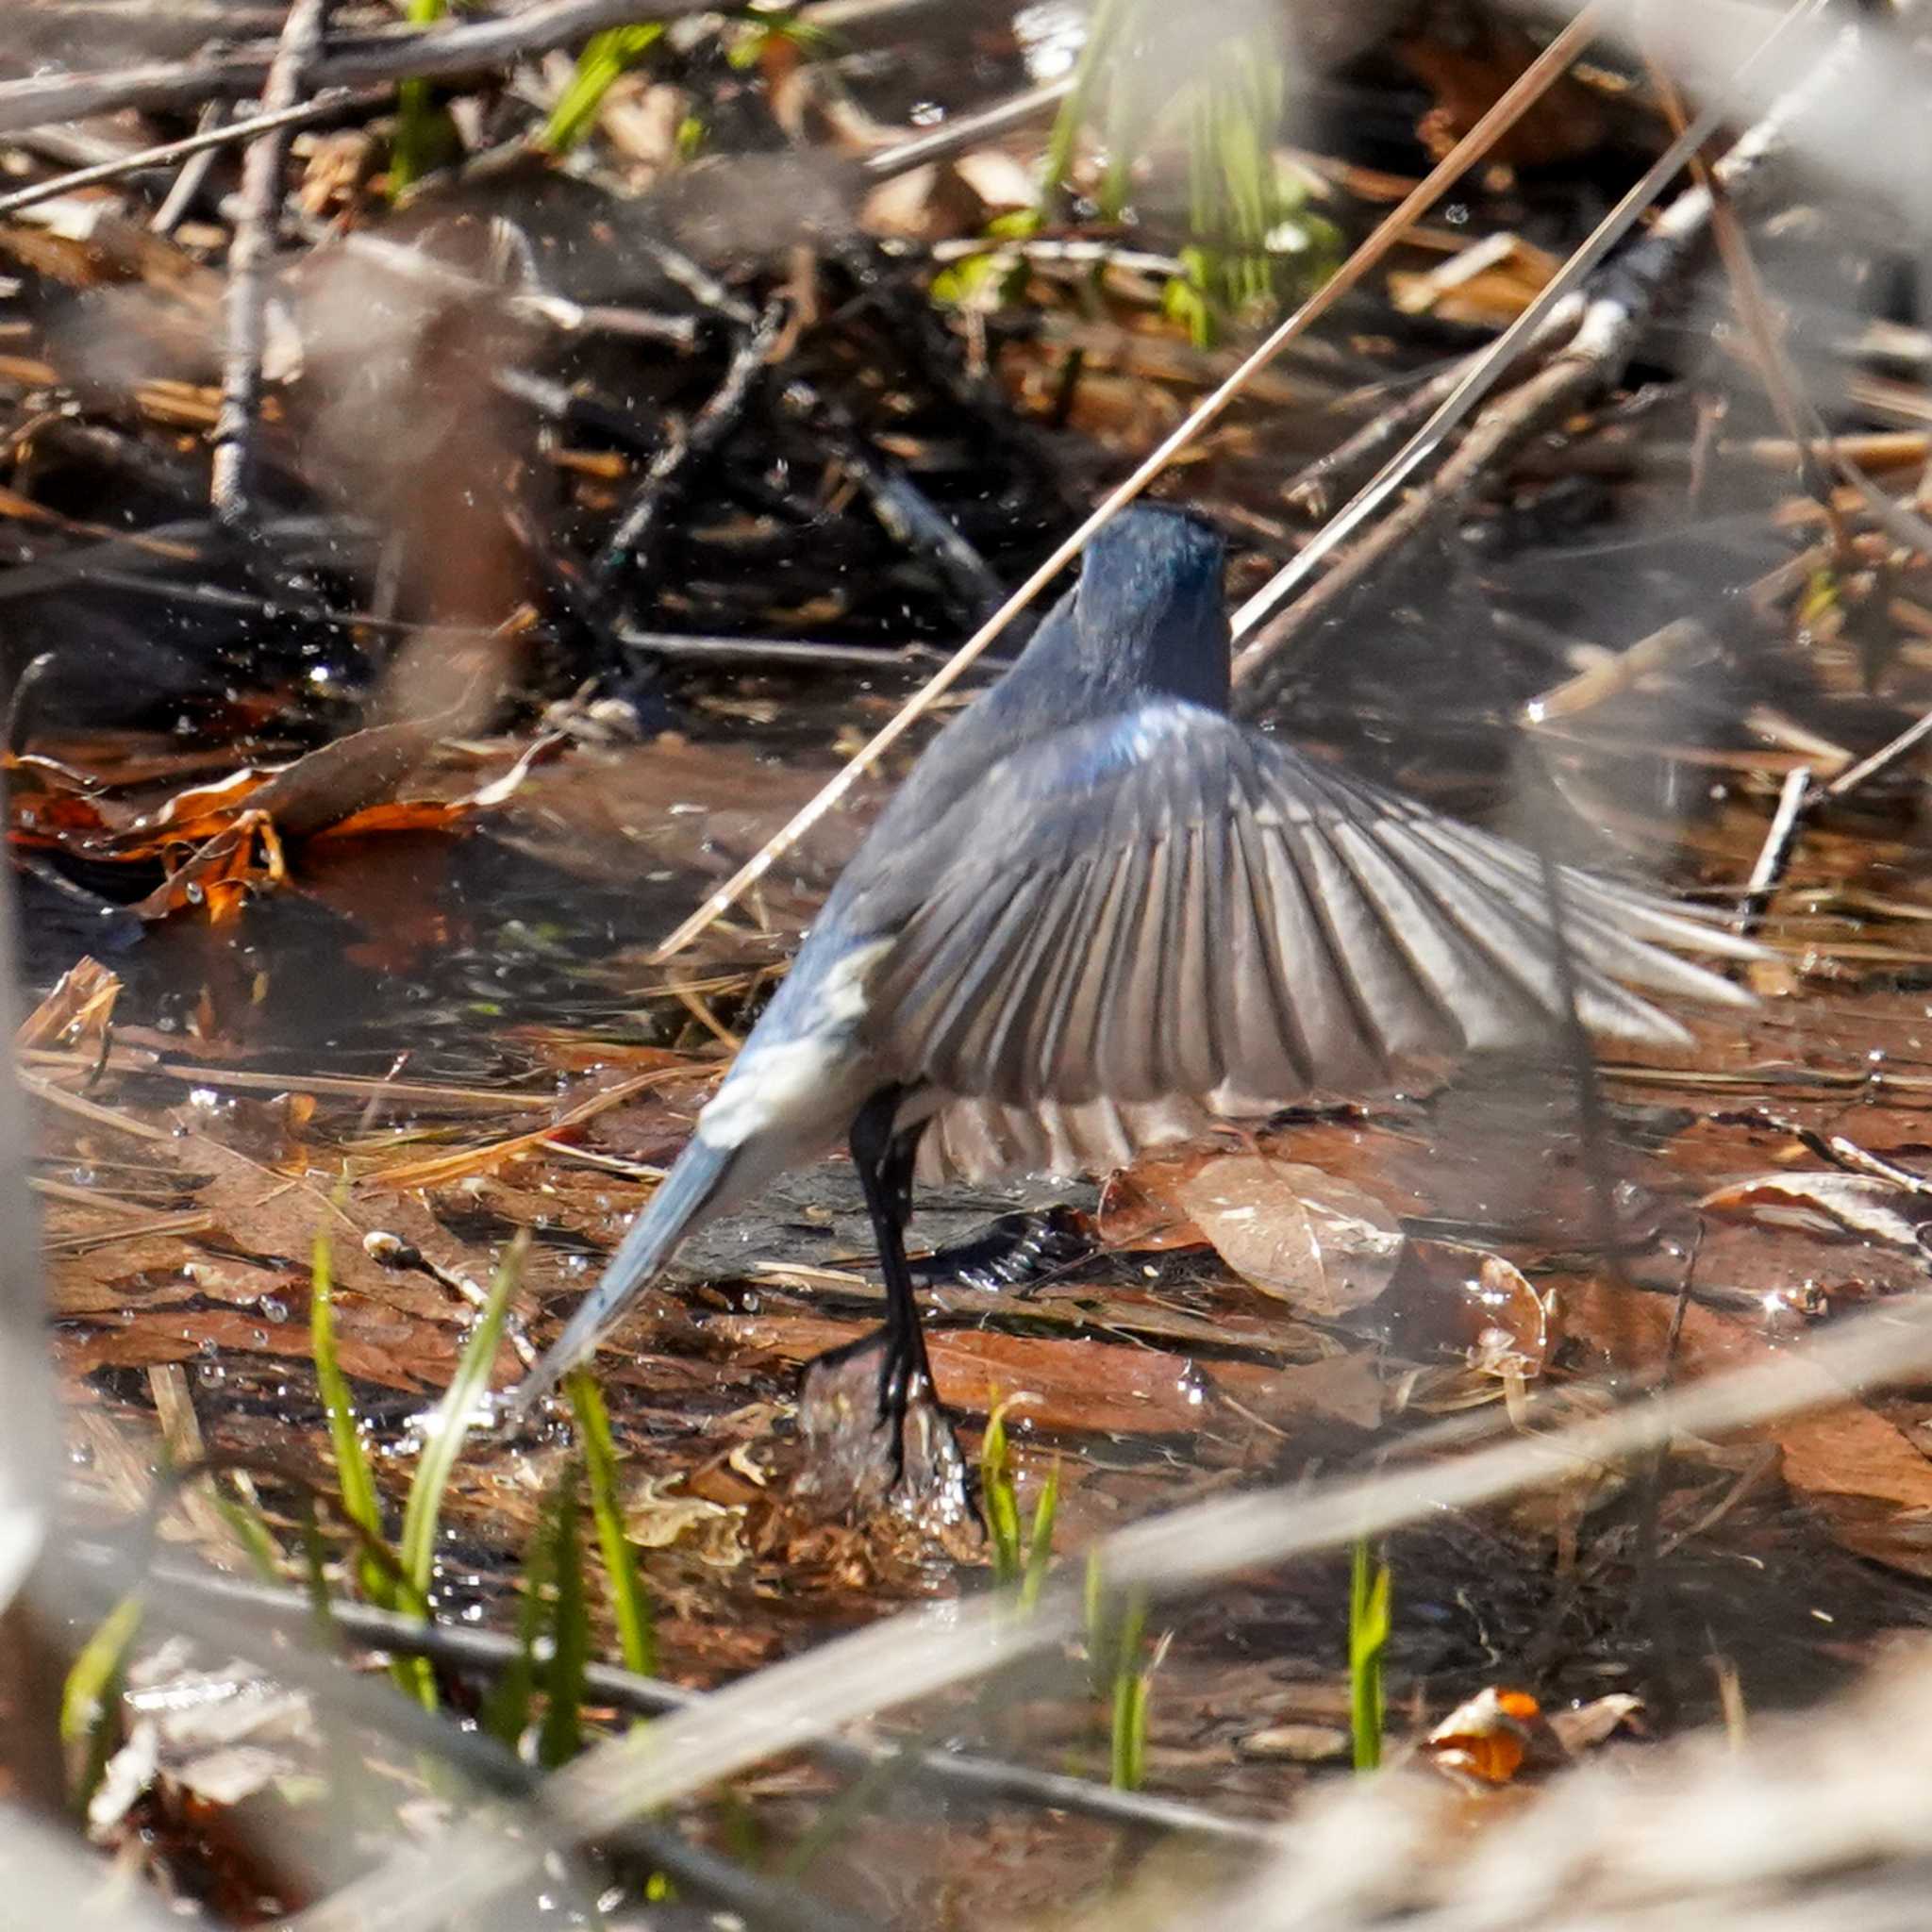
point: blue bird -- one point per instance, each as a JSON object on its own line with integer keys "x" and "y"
{"x": 1100, "y": 914}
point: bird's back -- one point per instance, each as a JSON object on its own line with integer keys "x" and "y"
{"x": 1146, "y": 619}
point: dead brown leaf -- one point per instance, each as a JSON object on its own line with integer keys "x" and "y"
{"x": 1862, "y": 1473}
{"x": 79, "y": 1008}
{"x": 1866, "y": 1206}
{"x": 1295, "y": 1233}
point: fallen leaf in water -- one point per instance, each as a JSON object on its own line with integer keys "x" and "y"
{"x": 1490, "y": 1737}
{"x": 1867, "y": 1206}
{"x": 223, "y": 1736}
{"x": 1297, "y": 1743}
{"x": 1868, "y": 1483}
{"x": 151, "y": 1271}
{"x": 1095, "y": 1384}
{"x": 412, "y": 1357}
{"x": 1292, "y": 1231}
{"x": 1077, "y": 1384}
{"x": 1340, "y": 1387}
{"x": 1448, "y": 1296}
{"x": 1135, "y": 1215}
{"x": 713, "y": 1532}
{"x": 1584, "y": 1726}
{"x": 221, "y": 840}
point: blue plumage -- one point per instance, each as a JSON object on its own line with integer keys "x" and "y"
{"x": 1099, "y": 914}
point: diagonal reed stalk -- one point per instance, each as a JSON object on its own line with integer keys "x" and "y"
{"x": 1520, "y": 98}
{"x": 923, "y": 1651}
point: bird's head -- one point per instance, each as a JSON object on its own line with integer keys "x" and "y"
{"x": 1149, "y": 612}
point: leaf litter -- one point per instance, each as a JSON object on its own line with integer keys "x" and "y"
{"x": 1339, "y": 1287}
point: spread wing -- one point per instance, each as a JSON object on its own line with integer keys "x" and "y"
{"x": 1166, "y": 912}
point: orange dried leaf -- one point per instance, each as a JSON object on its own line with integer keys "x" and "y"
{"x": 1492, "y": 1737}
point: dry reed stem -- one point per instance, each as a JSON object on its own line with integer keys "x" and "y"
{"x": 790, "y": 1706}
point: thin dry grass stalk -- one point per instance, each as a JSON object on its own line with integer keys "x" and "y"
{"x": 384, "y": 55}
{"x": 1816, "y": 1821}
{"x": 1584, "y": 342}
{"x": 209, "y": 139}
{"x": 916, "y": 1654}
{"x": 249, "y": 256}
{"x": 1516, "y": 101}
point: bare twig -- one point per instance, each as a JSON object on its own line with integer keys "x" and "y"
{"x": 1749, "y": 295}
{"x": 190, "y": 179}
{"x": 631, "y": 543}
{"x": 1518, "y": 99}
{"x": 718, "y": 650}
{"x": 1801, "y": 796}
{"x": 249, "y": 254}
{"x": 1779, "y": 837}
{"x": 1314, "y": 488}
{"x": 1618, "y": 673}
{"x": 967, "y": 131}
{"x": 204, "y": 141}
{"x": 1881, "y": 762}
{"x": 909, "y": 515}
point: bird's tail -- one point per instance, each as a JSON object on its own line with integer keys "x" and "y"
{"x": 692, "y": 1187}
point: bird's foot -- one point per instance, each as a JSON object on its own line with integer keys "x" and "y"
{"x": 1012, "y": 1251}
{"x": 876, "y": 1435}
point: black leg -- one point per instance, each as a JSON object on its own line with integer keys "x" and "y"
{"x": 884, "y": 1160}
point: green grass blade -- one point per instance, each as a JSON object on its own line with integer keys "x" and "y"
{"x": 606, "y": 55}
{"x": 1369, "y": 1597}
{"x": 1132, "y": 1695}
{"x": 562, "y": 1735}
{"x": 451, "y": 1420}
{"x": 1039, "y": 1540}
{"x": 1097, "y": 1625}
{"x": 354, "y": 1480}
{"x": 506, "y": 1714}
{"x": 449, "y": 1424}
{"x": 90, "y": 1696}
{"x": 423, "y": 131}
{"x": 241, "y": 1511}
{"x": 1128, "y": 1767}
{"x": 630, "y": 1603}
{"x": 315, "y": 1568}
{"x": 998, "y": 1496}
{"x": 1104, "y": 28}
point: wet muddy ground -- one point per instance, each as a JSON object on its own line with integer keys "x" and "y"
{"x": 413, "y": 1007}
{"x": 464, "y": 1027}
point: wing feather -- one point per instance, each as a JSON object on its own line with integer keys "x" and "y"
{"x": 1135, "y": 915}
